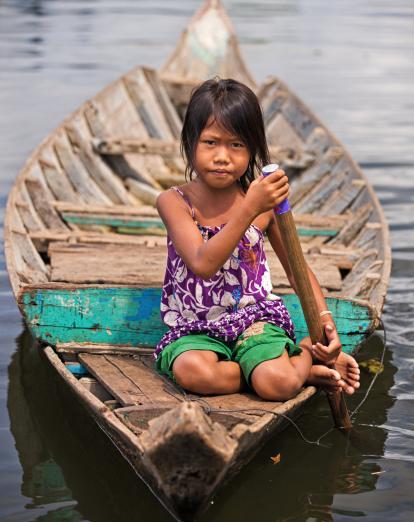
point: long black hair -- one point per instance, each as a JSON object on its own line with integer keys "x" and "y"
{"x": 236, "y": 108}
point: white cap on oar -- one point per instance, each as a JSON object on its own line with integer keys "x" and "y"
{"x": 268, "y": 169}
{"x": 284, "y": 206}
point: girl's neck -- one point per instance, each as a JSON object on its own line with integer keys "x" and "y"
{"x": 211, "y": 203}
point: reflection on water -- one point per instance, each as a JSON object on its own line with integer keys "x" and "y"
{"x": 70, "y": 468}
{"x": 72, "y": 472}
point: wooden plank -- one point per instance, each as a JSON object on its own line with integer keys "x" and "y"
{"x": 85, "y": 186}
{"x": 129, "y": 380}
{"x": 123, "y": 315}
{"x": 58, "y": 182}
{"x": 298, "y": 117}
{"x": 146, "y": 103}
{"x": 114, "y": 114}
{"x": 167, "y": 108}
{"x": 328, "y": 275}
{"x": 115, "y": 146}
{"x": 355, "y": 224}
{"x": 30, "y": 255}
{"x": 321, "y": 192}
{"x": 272, "y": 106}
{"x": 80, "y": 137}
{"x": 102, "y": 349}
{"x": 368, "y": 235}
{"x": 301, "y": 185}
{"x": 41, "y": 198}
{"x": 120, "y": 386}
{"x": 142, "y": 211}
{"x": 82, "y": 263}
{"x": 113, "y": 220}
{"x": 171, "y": 180}
{"x": 318, "y": 142}
{"x": 29, "y": 266}
{"x": 28, "y": 214}
{"x": 46, "y": 236}
{"x": 119, "y": 164}
{"x": 147, "y": 194}
{"x": 93, "y": 386}
{"x": 342, "y": 198}
{"x": 280, "y": 133}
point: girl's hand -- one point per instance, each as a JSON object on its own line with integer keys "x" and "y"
{"x": 265, "y": 193}
{"x": 328, "y": 354}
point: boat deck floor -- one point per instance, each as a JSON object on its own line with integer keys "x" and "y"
{"x": 141, "y": 393}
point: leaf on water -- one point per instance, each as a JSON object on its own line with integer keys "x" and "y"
{"x": 372, "y": 366}
{"x": 276, "y": 459}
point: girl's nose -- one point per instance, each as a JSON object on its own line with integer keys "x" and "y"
{"x": 221, "y": 155}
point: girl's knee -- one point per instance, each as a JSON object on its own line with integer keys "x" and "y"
{"x": 192, "y": 372}
{"x": 274, "y": 385}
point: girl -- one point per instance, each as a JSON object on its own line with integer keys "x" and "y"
{"x": 226, "y": 328}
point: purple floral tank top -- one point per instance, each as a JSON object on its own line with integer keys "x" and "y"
{"x": 237, "y": 296}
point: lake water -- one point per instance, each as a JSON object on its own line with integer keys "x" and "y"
{"x": 352, "y": 62}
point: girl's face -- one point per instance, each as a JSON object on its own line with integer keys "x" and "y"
{"x": 220, "y": 157}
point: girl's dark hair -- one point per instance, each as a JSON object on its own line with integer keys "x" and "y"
{"x": 236, "y": 108}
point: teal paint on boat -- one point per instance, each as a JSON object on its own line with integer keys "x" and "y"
{"x": 141, "y": 223}
{"x": 315, "y": 232}
{"x": 131, "y": 316}
{"x": 113, "y": 222}
{"x": 77, "y": 369}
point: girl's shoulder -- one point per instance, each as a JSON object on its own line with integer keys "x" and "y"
{"x": 173, "y": 199}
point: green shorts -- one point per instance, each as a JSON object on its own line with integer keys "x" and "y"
{"x": 260, "y": 342}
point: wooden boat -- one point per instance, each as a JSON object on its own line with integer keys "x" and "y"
{"x": 85, "y": 251}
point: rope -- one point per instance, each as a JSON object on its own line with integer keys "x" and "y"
{"x": 377, "y": 372}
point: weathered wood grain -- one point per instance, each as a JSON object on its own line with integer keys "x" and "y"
{"x": 129, "y": 380}
{"x": 80, "y": 138}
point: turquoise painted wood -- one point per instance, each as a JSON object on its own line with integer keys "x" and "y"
{"x": 141, "y": 223}
{"x": 130, "y": 316}
{"x": 77, "y": 369}
{"x": 316, "y": 232}
{"x": 111, "y": 222}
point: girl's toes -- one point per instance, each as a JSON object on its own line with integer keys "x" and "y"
{"x": 349, "y": 390}
{"x": 335, "y": 376}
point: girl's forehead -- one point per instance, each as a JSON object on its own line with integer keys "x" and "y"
{"x": 214, "y": 128}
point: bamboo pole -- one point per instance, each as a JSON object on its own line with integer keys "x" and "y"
{"x": 306, "y": 296}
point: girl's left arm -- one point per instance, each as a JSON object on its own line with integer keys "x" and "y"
{"x": 326, "y": 354}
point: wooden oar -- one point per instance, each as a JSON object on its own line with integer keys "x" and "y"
{"x": 306, "y": 296}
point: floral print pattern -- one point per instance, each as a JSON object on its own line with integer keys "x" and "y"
{"x": 237, "y": 296}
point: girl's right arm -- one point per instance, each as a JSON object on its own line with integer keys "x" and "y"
{"x": 205, "y": 258}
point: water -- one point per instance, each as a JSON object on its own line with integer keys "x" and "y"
{"x": 352, "y": 63}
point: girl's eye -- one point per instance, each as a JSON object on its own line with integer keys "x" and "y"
{"x": 238, "y": 145}
{"x": 209, "y": 142}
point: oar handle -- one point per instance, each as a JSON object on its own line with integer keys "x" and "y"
{"x": 305, "y": 293}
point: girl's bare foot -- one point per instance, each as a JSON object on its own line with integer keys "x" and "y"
{"x": 345, "y": 375}
{"x": 325, "y": 377}
{"x": 349, "y": 370}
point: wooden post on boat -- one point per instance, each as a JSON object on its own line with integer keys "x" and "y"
{"x": 298, "y": 266}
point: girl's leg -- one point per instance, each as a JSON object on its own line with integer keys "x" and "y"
{"x": 282, "y": 378}
{"x": 201, "y": 371}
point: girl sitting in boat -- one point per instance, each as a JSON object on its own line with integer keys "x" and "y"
{"x": 226, "y": 327}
